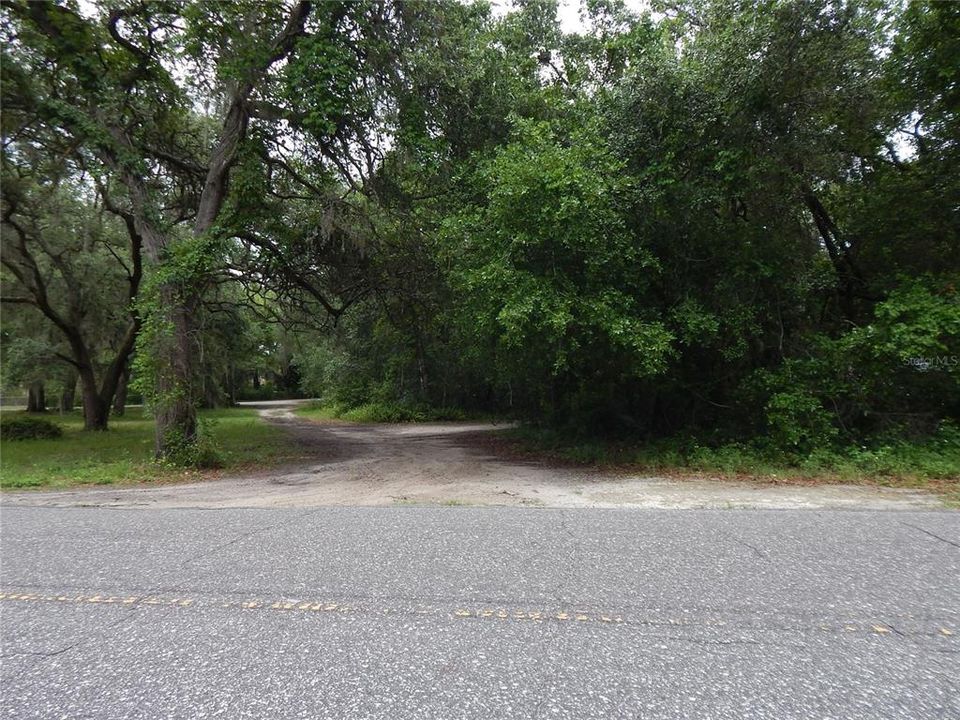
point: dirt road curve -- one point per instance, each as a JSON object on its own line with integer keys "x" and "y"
{"x": 443, "y": 464}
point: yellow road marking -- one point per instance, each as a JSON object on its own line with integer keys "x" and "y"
{"x": 483, "y": 613}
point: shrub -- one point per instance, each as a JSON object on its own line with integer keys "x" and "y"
{"x": 382, "y": 412}
{"x": 201, "y": 452}
{"x": 25, "y": 427}
{"x": 388, "y": 412}
{"x": 798, "y": 422}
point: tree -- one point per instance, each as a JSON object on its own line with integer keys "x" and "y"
{"x": 70, "y": 262}
{"x": 306, "y": 94}
{"x": 724, "y": 217}
{"x": 104, "y": 81}
{"x": 552, "y": 277}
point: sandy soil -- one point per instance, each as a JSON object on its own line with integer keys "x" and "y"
{"x": 442, "y": 463}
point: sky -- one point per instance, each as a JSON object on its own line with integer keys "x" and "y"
{"x": 569, "y": 12}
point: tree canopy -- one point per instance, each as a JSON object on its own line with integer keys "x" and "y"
{"x": 733, "y": 219}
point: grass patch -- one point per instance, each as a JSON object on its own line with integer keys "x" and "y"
{"x": 124, "y": 454}
{"x": 318, "y": 411}
{"x": 379, "y": 412}
{"x": 932, "y": 464}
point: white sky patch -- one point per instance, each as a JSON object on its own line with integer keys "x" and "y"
{"x": 569, "y": 12}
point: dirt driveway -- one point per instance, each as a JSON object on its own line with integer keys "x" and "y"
{"x": 441, "y": 463}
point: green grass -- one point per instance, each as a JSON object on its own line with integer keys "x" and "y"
{"x": 933, "y": 464}
{"x": 379, "y": 412}
{"x": 317, "y": 411}
{"x": 124, "y": 454}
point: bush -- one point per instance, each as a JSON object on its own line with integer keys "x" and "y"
{"x": 386, "y": 412}
{"x": 201, "y": 452}
{"x": 381, "y": 412}
{"x": 25, "y": 427}
{"x": 378, "y": 412}
{"x": 798, "y": 422}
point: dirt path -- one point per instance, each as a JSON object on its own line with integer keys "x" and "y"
{"x": 440, "y": 464}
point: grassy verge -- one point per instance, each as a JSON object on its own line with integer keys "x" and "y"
{"x": 380, "y": 413}
{"x": 934, "y": 464}
{"x": 124, "y": 454}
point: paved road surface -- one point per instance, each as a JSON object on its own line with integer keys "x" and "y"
{"x": 453, "y": 612}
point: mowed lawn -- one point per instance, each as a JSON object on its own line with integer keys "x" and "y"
{"x": 124, "y": 454}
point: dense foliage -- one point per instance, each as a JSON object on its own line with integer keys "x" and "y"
{"x": 729, "y": 220}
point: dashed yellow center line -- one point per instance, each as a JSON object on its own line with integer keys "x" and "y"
{"x": 302, "y": 605}
{"x": 492, "y": 614}
{"x": 99, "y": 599}
{"x": 533, "y": 615}
{"x": 168, "y": 601}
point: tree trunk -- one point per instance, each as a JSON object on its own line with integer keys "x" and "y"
{"x": 421, "y": 365}
{"x": 97, "y": 400}
{"x": 69, "y": 394}
{"x": 849, "y": 278}
{"x": 36, "y": 397}
{"x": 120, "y": 399}
{"x": 211, "y": 398}
{"x": 232, "y": 385}
{"x": 95, "y": 409}
{"x": 176, "y": 412}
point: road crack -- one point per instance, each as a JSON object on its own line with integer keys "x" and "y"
{"x": 931, "y": 534}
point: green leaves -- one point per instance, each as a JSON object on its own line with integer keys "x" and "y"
{"x": 549, "y": 271}
{"x": 728, "y": 217}
{"x": 324, "y": 78}
{"x": 918, "y": 324}
{"x": 799, "y": 423}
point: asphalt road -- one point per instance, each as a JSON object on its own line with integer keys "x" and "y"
{"x": 456, "y": 612}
